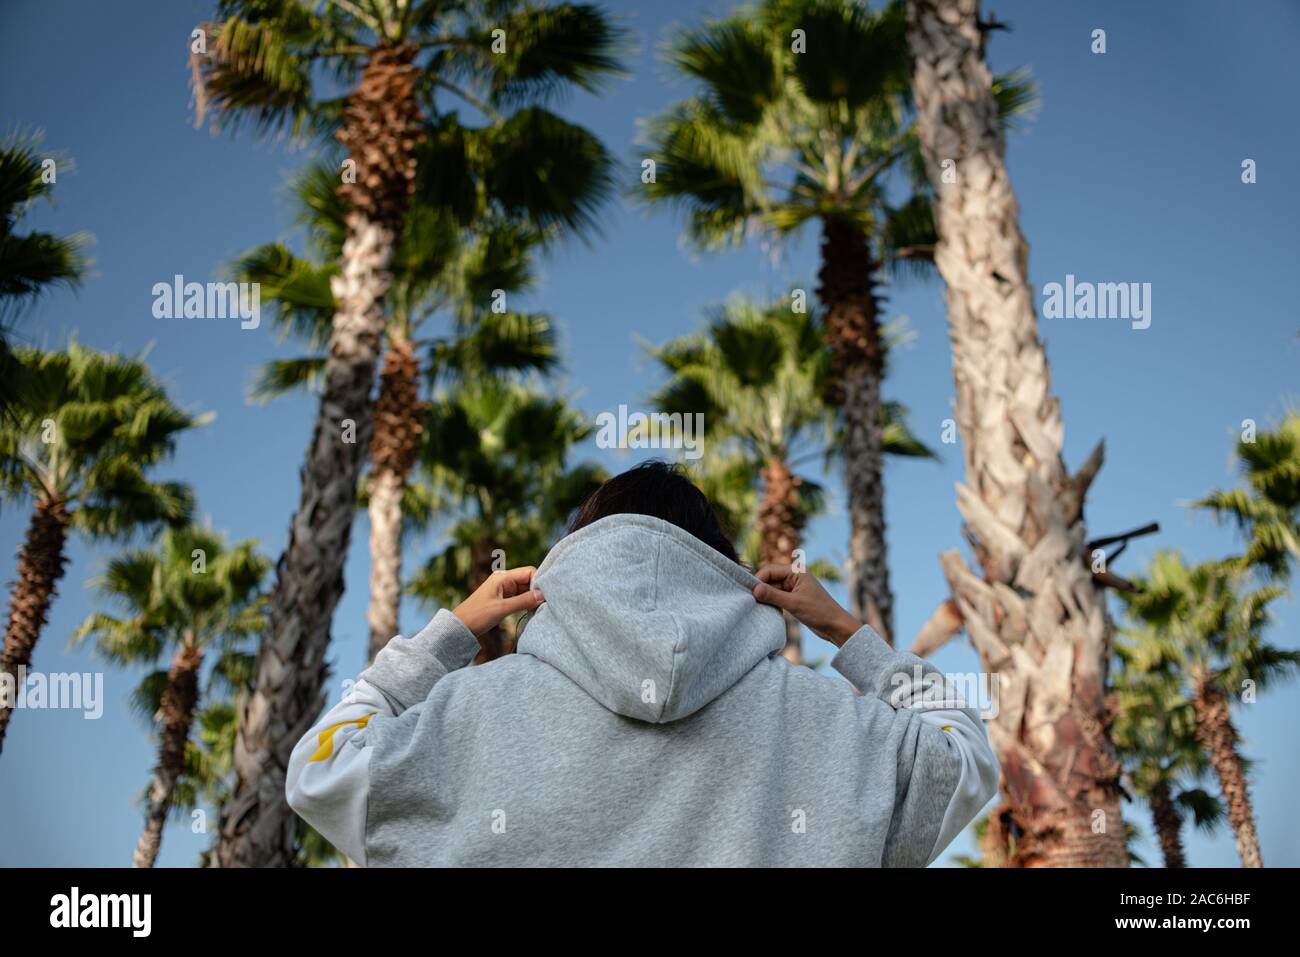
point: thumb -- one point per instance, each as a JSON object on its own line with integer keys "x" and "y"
{"x": 767, "y": 595}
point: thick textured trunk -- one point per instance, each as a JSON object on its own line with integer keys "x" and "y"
{"x": 848, "y": 292}
{"x": 179, "y": 702}
{"x": 996, "y": 846}
{"x": 40, "y": 566}
{"x": 793, "y": 650}
{"x": 1169, "y": 825}
{"x": 1218, "y": 739}
{"x": 1033, "y": 613}
{"x": 497, "y": 641}
{"x": 385, "y": 510}
{"x": 381, "y": 130}
{"x": 392, "y": 456}
{"x": 780, "y": 522}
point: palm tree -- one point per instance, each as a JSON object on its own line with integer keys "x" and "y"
{"x": 994, "y": 846}
{"x": 208, "y": 774}
{"x": 209, "y": 758}
{"x": 80, "y": 446}
{"x": 440, "y": 271}
{"x": 991, "y": 850}
{"x": 190, "y": 595}
{"x": 33, "y": 263}
{"x": 729, "y": 479}
{"x": 780, "y": 137}
{"x": 1202, "y": 623}
{"x": 760, "y": 376}
{"x": 1267, "y": 510}
{"x": 1035, "y": 615}
{"x": 395, "y": 58}
{"x": 1155, "y": 734}
{"x": 495, "y": 460}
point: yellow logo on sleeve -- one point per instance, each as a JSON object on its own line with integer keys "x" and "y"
{"x": 326, "y": 738}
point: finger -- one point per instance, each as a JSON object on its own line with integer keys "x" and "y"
{"x": 773, "y": 572}
{"x": 767, "y": 595}
{"x": 525, "y": 602}
{"x": 519, "y": 578}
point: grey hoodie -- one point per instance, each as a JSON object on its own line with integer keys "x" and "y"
{"x": 647, "y": 719}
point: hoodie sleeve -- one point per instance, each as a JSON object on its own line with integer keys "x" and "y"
{"x": 328, "y": 782}
{"x": 947, "y": 772}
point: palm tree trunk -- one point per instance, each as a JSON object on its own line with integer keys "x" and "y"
{"x": 1218, "y": 738}
{"x": 1169, "y": 825}
{"x": 381, "y": 130}
{"x": 1033, "y": 613}
{"x": 40, "y": 566}
{"x": 392, "y": 456}
{"x": 848, "y": 291}
{"x": 780, "y": 522}
{"x": 179, "y": 702}
{"x": 996, "y": 845}
{"x": 494, "y": 642}
{"x": 385, "y": 510}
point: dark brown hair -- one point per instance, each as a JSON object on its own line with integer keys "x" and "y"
{"x": 664, "y": 491}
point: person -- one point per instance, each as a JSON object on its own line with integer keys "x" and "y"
{"x": 646, "y": 719}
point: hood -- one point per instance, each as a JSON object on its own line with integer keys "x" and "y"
{"x": 647, "y": 619}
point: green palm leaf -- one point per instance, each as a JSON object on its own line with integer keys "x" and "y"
{"x": 90, "y": 428}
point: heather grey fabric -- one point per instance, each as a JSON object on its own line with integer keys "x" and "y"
{"x": 647, "y": 720}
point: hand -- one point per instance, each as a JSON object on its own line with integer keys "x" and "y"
{"x": 803, "y": 596}
{"x": 503, "y": 594}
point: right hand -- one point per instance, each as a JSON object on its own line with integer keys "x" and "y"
{"x": 803, "y": 596}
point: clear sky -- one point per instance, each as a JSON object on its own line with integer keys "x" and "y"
{"x": 1129, "y": 173}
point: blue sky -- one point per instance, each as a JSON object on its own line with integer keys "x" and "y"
{"x": 1129, "y": 173}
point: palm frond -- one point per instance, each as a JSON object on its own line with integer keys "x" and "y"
{"x": 547, "y": 170}
{"x": 855, "y": 55}
{"x": 91, "y": 427}
{"x": 282, "y": 376}
{"x": 1016, "y": 95}
{"x": 36, "y": 262}
{"x": 297, "y": 290}
{"x": 734, "y": 61}
{"x": 258, "y": 69}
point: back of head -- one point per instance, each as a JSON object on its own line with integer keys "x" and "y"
{"x": 663, "y": 491}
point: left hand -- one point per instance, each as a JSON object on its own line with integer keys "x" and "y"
{"x": 503, "y": 594}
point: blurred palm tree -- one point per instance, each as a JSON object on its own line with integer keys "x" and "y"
{"x": 208, "y": 773}
{"x": 990, "y": 852}
{"x": 760, "y": 376}
{"x": 802, "y": 116}
{"x": 441, "y": 270}
{"x": 81, "y": 446}
{"x": 1267, "y": 510}
{"x": 1154, "y": 732}
{"x": 270, "y": 62}
{"x": 33, "y": 263}
{"x": 191, "y": 596}
{"x": 1205, "y": 628}
{"x": 495, "y": 460}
